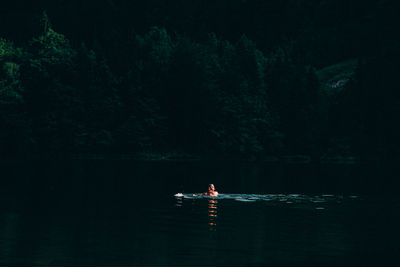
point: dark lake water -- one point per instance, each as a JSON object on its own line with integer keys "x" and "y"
{"x": 124, "y": 213}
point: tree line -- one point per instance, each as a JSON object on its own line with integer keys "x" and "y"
{"x": 129, "y": 87}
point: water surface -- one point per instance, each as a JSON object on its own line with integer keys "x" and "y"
{"x": 124, "y": 213}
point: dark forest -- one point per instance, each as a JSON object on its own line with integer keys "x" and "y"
{"x": 238, "y": 79}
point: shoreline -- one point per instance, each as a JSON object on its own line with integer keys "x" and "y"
{"x": 171, "y": 157}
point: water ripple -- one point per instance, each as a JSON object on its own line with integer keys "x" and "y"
{"x": 272, "y": 198}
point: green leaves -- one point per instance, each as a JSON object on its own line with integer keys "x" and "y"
{"x": 175, "y": 94}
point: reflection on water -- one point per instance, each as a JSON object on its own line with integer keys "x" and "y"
{"x": 212, "y": 212}
{"x": 179, "y": 202}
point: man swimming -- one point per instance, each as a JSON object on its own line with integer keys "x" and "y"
{"x": 211, "y": 191}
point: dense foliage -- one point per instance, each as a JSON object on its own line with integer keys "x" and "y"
{"x": 214, "y": 78}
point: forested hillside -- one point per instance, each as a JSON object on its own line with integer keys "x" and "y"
{"x": 225, "y": 79}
